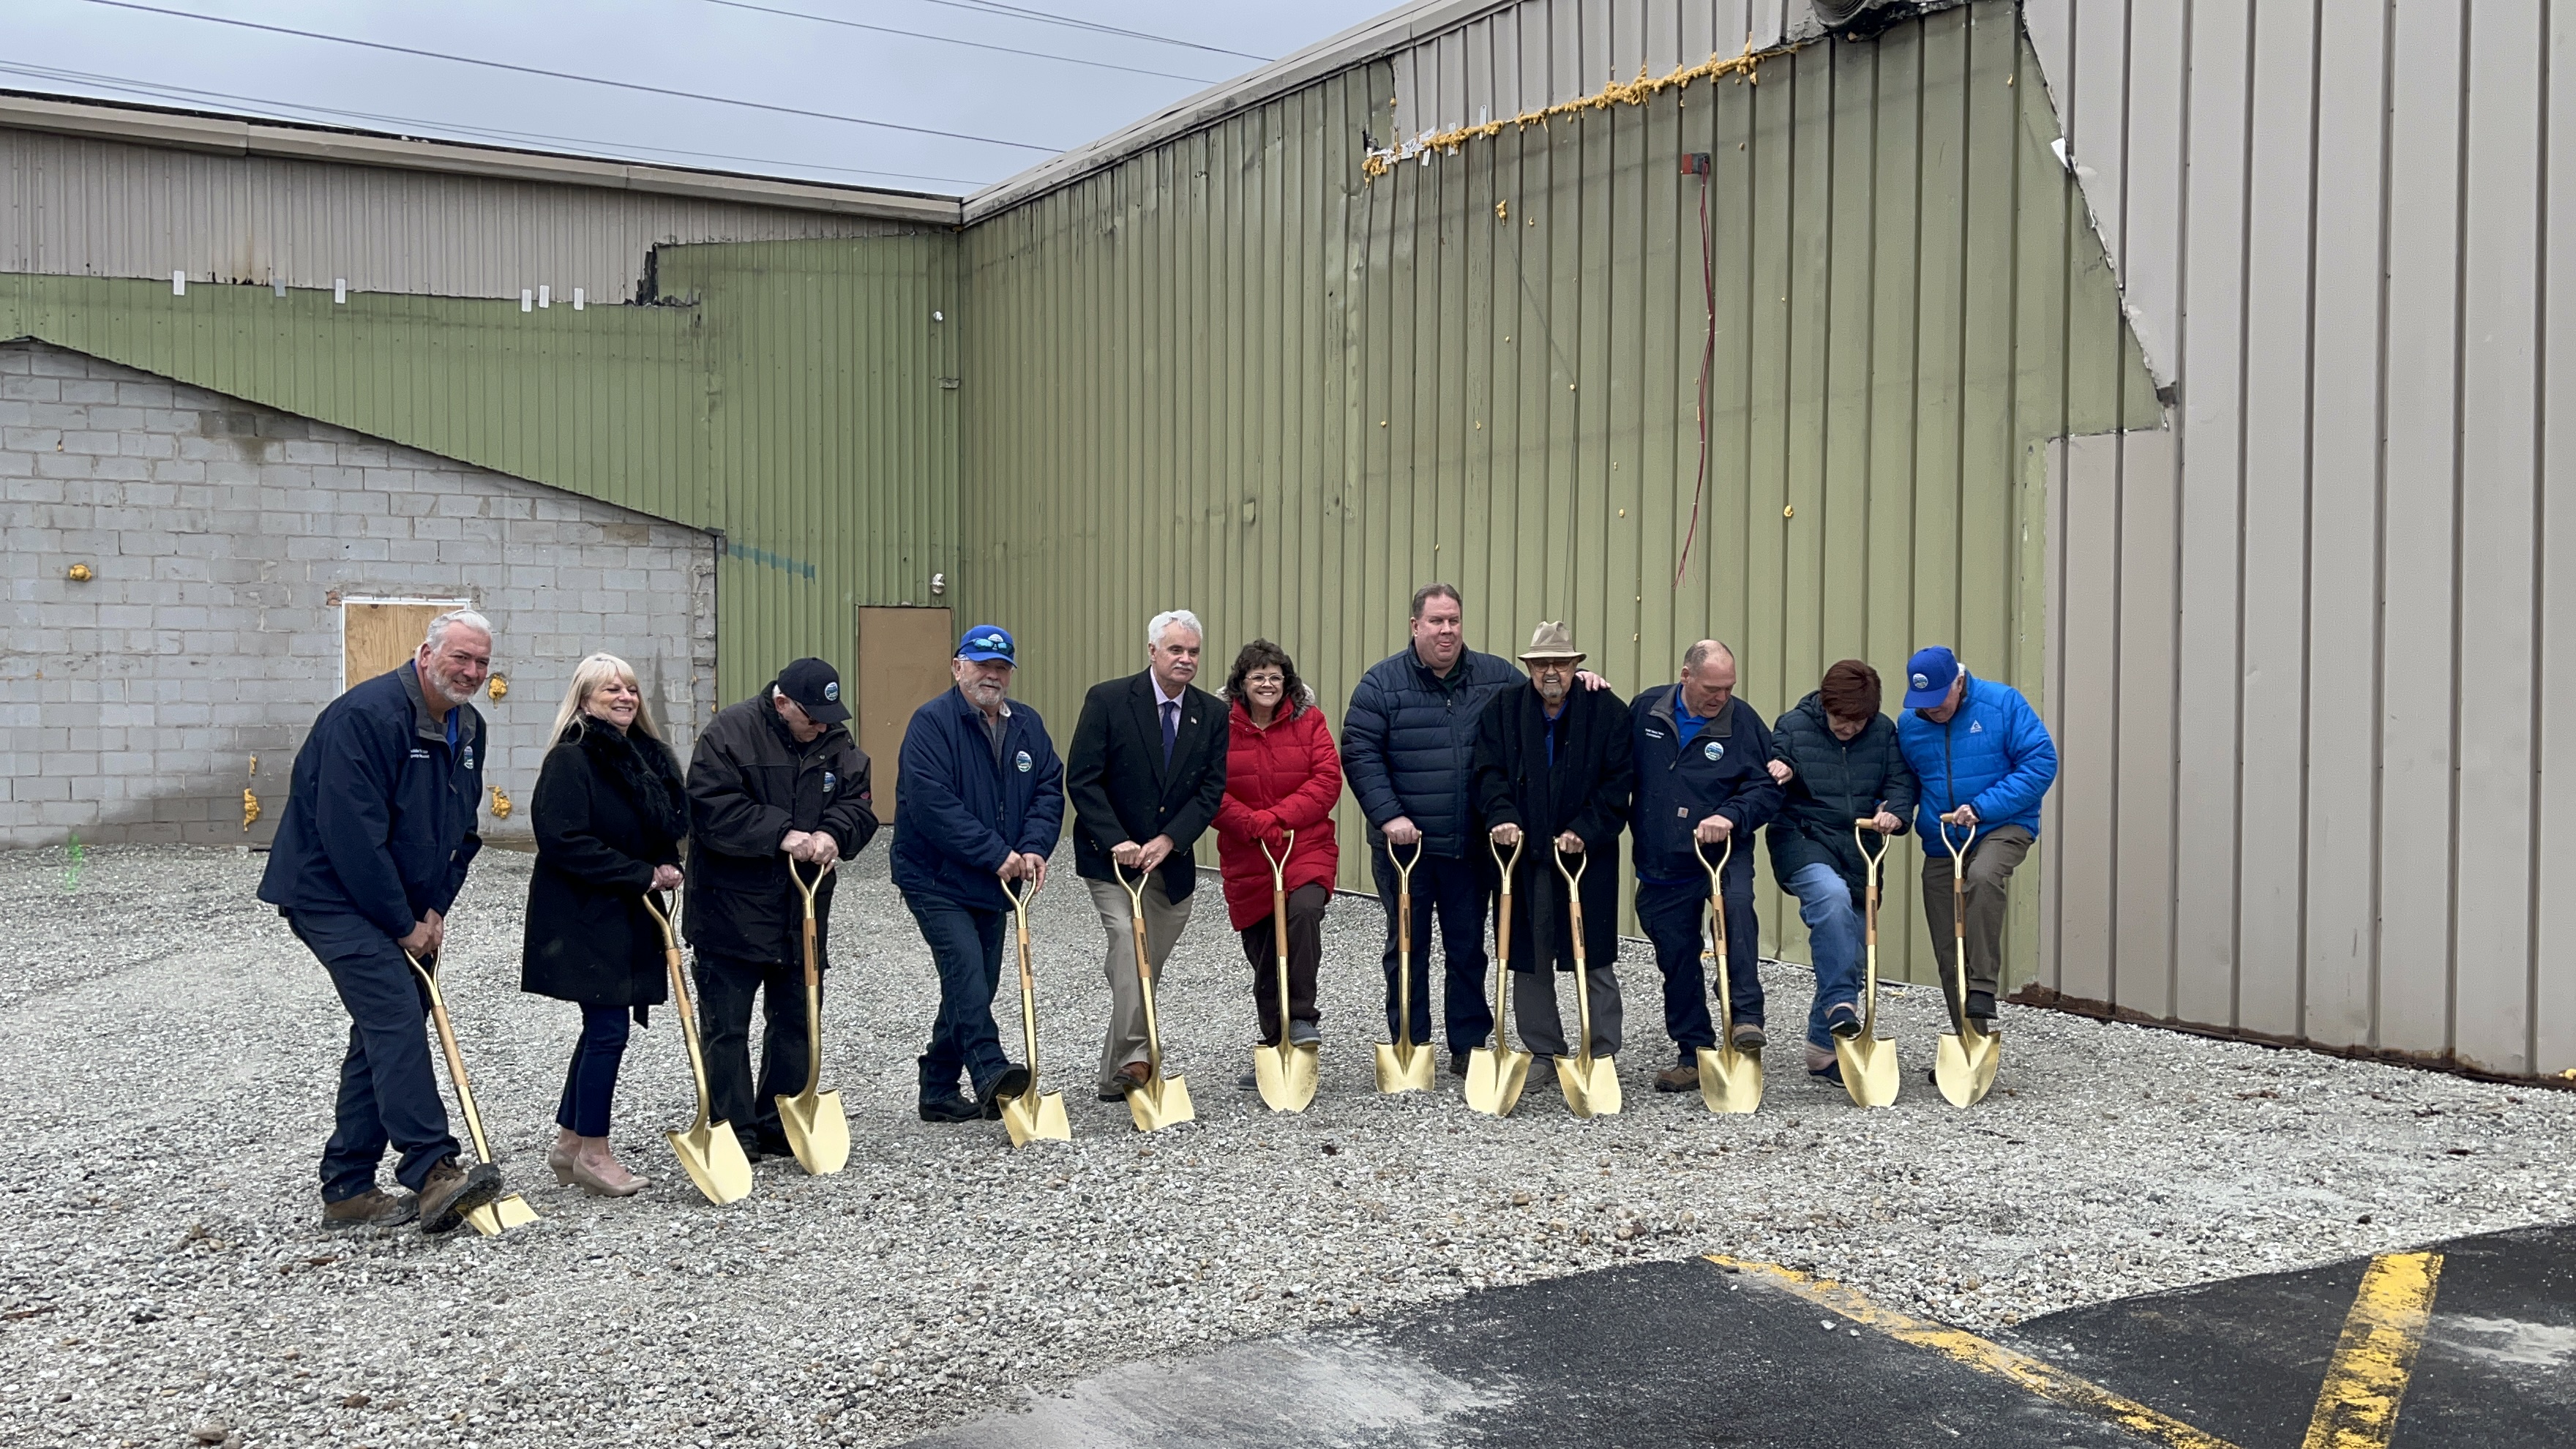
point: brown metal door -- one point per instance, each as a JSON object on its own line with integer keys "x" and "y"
{"x": 903, "y": 665}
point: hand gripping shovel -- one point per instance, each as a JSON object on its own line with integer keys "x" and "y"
{"x": 1496, "y": 1074}
{"x": 1030, "y": 1116}
{"x": 501, "y": 1214}
{"x": 818, "y": 1131}
{"x": 1729, "y": 1080}
{"x": 1285, "y": 1072}
{"x": 1869, "y": 1064}
{"x": 1591, "y": 1083}
{"x": 708, "y": 1151}
{"x": 1404, "y": 1065}
{"x": 1158, "y": 1101}
{"x": 1964, "y": 1061}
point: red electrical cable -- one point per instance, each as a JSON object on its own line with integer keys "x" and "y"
{"x": 1707, "y": 358}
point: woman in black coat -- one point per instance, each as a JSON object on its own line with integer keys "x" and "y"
{"x": 610, "y": 812}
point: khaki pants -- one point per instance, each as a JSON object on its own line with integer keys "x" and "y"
{"x": 1163, "y": 922}
{"x": 1991, "y": 862}
{"x": 1542, "y": 1029}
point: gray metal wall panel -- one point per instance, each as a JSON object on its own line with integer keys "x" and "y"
{"x": 77, "y": 206}
{"x": 2554, "y": 993}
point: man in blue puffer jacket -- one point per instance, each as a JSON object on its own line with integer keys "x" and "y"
{"x": 1984, "y": 761}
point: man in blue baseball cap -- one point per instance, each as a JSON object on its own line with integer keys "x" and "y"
{"x": 979, "y": 801}
{"x": 1984, "y": 761}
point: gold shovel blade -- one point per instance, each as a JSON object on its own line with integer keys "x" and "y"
{"x": 1869, "y": 1069}
{"x": 1161, "y": 1102}
{"x": 1591, "y": 1085}
{"x": 818, "y": 1131}
{"x": 712, "y": 1156}
{"x": 502, "y": 1214}
{"x": 1029, "y": 1118}
{"x": 1495, "y": 1079}
{"x": 1404, "y": 1066}
{"x": 1964, "y": 1066}
{"x": 1286, "y": 1076}
{"x": 1730, "y": 1081}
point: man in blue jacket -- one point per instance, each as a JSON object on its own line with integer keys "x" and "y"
{"x": 981, "y": 801}
{"x": 1982, "y": 759}
{"x": 378, "y": 831}
{"x": 1700, "y": 755}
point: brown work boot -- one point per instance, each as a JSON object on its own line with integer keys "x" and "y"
{"x": 374, "y": 1208}
{"x": 453, "y": 1190}
{"x": 1683, "y": 1078}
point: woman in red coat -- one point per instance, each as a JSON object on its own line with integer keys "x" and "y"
{"x": 1281, "y": 774}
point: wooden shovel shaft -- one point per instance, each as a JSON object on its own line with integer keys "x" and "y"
{"x": 1717, "y": 914}
{"x": 1028, "y": 1006}
{"x": 455, "y": 1064}
{"x": 1279, "y": 917}
{"x": 1957, "y": 1000}
{"x": 1145, "y": 986}
{"x": 1403, "y": 941}
{"x": 680, "y": 1003}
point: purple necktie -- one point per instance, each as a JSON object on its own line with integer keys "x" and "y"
{"x": 1171, "y": 727}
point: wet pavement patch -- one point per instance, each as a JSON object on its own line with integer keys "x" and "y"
{"x": 2469, "y": 1342}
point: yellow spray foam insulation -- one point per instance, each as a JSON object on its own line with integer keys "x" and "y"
{"x": 1744, "y": 68}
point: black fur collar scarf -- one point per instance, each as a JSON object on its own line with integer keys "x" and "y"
{"x": 644, "y": 772}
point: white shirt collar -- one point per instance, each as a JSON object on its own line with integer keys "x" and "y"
{"x": 1160, "y": 697}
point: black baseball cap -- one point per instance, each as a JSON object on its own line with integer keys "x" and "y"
{"x": 816, "y": 688}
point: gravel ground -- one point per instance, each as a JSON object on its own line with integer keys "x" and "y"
{"x": 168, "y": 1050}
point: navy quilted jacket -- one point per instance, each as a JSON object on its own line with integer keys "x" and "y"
{"x": 1409, "y": 744}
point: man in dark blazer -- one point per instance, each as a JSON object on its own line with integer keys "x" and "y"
{"x": 1145, "y": 775}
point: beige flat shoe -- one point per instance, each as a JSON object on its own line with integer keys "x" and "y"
{"x": 589, "y": 1181}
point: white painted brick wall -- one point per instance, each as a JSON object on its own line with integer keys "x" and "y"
{"x": 221, "y": 536}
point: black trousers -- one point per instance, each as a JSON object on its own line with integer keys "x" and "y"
{"x": 725, "y": 991}
{"x": 1305, "y": 952}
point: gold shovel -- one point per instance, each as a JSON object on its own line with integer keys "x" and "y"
{"x": 1404, "y": 1065}
{"x": 1496, "y": 1074}
{"x": 1964, "y": 1061}
{"x": 1030, "y": 1116}
{"x": 1158, "y": 1101}
{"x": 1591, "y": 1083}
{"x": 818, "y": 1131}
{"x": 501, "y": 1214}
{"x": 1285, "y": 1072}
{"x": 1729, "y": 1080}
{"x": 708, "y": 1151}
{"x": 1868, "y": 1064}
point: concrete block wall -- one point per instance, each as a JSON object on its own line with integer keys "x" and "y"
{"x": 221, "y": 537}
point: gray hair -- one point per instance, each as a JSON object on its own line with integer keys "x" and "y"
{"x": 1698, "y": 653}
{"x": 439, "y": 626}
{"x": 1163, "y": 621}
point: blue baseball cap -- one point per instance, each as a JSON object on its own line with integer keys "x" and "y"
{"x": 1928, "y": 676}
{"x": 988, "y": 641}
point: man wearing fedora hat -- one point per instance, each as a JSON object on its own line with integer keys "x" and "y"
{"x": 773, "y": 779}
{"x": 1553, "y": 767}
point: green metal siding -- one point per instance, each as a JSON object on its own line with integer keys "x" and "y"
{"x": 1231, "y": 375}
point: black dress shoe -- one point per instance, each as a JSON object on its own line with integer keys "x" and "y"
{"x": 1981, "y": 1006}
{"x": 1006, "y": 1084}
{"x": 951, "y": 1108}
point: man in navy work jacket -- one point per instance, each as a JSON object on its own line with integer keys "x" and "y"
{"x": 1981, "y": 758}
{"x": 980, "y": 802}
{"x": 1701, "y": 782}
{"x": 378, "y": 831}
{"x": 1145, "y": 775}
{"x": 773, "y": 779}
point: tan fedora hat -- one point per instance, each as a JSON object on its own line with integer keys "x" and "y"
{"x": 1551, "y": 641}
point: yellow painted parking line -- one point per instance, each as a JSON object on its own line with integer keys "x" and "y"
{"x": 1985, "y": 1356}
{"x": 2366, "y": 1379}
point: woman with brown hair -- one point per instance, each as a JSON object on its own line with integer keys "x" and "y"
{"x": 610, "y": 812}
{"x": 1281, "y": 775}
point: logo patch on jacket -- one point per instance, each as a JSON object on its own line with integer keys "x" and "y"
{"x": 469, "y": 757}
{"x": 830, "y": 781}
{"x": 1653, "y": 733}
{"x": 1714, "y": 749}
{"x": 419, "y": 754}
{"x": 1025, "y": 762}
{"x": 1976, "y": 727}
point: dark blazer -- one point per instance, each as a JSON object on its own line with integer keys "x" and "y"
{"x": 960, "y": 810}
{"x": 1122, "y": 790}
{"x": 749, "y": 784}
{"x": 1585, "y": 791}
{"x": 608, "y": 809}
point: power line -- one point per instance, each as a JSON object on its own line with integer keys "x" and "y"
{"x": 994, "y": 7}
{"x": 570, "y": 76}
{"x": 952, "y": 40}
{"x": 288, "y": 111}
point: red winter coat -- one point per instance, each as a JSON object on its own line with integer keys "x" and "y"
{"x": 1286, "y": 777}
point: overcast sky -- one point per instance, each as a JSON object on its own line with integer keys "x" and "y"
{"x": 729, "y": 48}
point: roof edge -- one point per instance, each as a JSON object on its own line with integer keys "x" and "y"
{"x": 221, "y": 134}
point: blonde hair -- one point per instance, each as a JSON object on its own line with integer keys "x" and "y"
{"x": 587, "y": 677}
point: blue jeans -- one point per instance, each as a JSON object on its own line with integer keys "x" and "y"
{"x": 1671, "y": 916}
{"x": 1457, "y": 894}
{"x": 388, "y": 1096}
{"x": 966, "y": 946}
{"x": 1833, "y": 937}
{"x": 590, "y": 1083}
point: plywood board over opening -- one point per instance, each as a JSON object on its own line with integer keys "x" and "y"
{"x": 377, "y": 634}
{"x": 903, "y": 659}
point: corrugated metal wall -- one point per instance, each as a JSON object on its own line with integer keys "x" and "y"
{"x": 83, "y": 207}
{"x": 1540, "y": 52}
{"x": 794, "y": 401}
{"x": 2319, "y": 659}
{"x": 1232, "y": 374}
